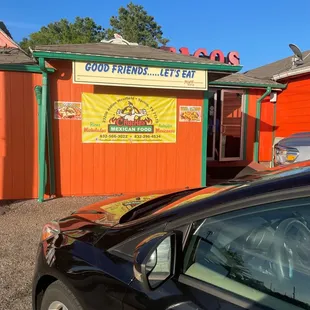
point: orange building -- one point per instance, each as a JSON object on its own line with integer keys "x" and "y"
{"x": 19, "y": 74}
{"x": 293, "y": 105}
{"x": 127, "y": 118}
{"x": 114, "y": 117}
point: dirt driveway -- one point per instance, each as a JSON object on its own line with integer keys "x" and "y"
{"x": 20, "y": 229}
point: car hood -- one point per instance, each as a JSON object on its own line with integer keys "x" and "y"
{"x": 88, "y": 224}
{"x": 109, "y": 211}
{"x": 295, "y": 141}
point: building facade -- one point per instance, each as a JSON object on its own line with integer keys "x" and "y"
{"x": 115, "y": 117}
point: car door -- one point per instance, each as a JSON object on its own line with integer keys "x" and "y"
{"x": 254, "y": 258}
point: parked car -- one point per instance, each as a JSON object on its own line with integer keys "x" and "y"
{"x": 242, "y": 244}
{"x": 292, "y": 149}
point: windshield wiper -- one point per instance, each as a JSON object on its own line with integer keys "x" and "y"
{"x": 88, "y": 212}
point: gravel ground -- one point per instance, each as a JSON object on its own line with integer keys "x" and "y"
{"x": 20, "y": 227}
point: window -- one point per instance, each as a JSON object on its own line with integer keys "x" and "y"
{"x": 159, "y": 265}
{"x": 260, "y": 253}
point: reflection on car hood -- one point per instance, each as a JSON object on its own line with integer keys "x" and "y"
{"x": 295, "y": 141}
{"x": 199, "y": 195}
{"x": 109, "y": 211}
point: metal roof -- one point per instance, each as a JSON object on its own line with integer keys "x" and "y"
{"x": 280, "y": 66}
{"x": 11, "y": 53}
{"x": 244, "y": 80}
{"x": 14, "y": 56}
{"x": 125, "y": 51}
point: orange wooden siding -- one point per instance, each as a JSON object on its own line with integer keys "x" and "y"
{"x": 18, "y": 135}
{"x": 253, "y": 96}
{"x": 266, "y": 127}
{"x": 293, "y": 107}
{"x": 94, "y": 169}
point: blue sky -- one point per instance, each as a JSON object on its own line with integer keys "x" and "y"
{"x": 259, "y": 30}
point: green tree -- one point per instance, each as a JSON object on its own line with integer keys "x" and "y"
{"x": 5, "y": 29}
{"x": 82, "y": 30}
{"x": 135, "y": 25}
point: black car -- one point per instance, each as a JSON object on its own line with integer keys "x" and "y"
{"x": 244, "y": 244}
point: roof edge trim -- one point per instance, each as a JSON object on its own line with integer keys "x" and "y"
{"x": 136, "y": 61}
{"x": 23, "y": 68}
{"x": 291, "y": 73}
{"x": 249, "y": 85}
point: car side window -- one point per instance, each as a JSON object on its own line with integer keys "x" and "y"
{"x": 260, "y": 253}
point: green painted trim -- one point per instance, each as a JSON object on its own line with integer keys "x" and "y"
{"x": 38, "y": 93}
{"x": 274, "y": 86}
{"x": 204, "y": 145}
{"x": 50, "y": 145}
{"x": 135, "y": 61}
{"x": 273, "y": 131}
{"x": 245, "y": 122}
{"x": 42, "y": 131}
{"x": 257, "y": 122}
{"x": 24, "y": 68}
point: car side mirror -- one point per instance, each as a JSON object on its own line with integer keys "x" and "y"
{"x": 154, "y": 260}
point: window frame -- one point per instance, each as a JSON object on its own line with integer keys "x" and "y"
{"x": 244, "y": 204}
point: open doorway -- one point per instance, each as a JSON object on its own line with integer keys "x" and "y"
{"x": 225, "y": 135}
{"x": 231, "y": 143}
{"x": 225, "y": 130}
{"x": 214, "y": 125}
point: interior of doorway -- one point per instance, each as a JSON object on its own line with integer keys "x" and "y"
{"x": 225, "y": 135}
{"x": 225, "y": 125}
{"x": 214, "y": 119}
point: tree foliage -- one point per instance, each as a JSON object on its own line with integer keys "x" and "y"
{"x": 135, "y": 25}
{"x": 82, "y": 30}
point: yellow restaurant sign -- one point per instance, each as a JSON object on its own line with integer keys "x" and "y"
{"x": 119, "y": 208}
{"x": 108, "y": 118}
{"x": 139, "y": 76}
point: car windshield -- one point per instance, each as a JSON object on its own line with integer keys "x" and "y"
{"x": 179, "y": 199}
{"x": 274, "y": 173}
{"x": 150, "y": 206}
{"x": 248, "y": 180}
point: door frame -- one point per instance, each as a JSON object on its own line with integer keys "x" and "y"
{"x": 215, "y": 98}
{"x": 242, "y": 92}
